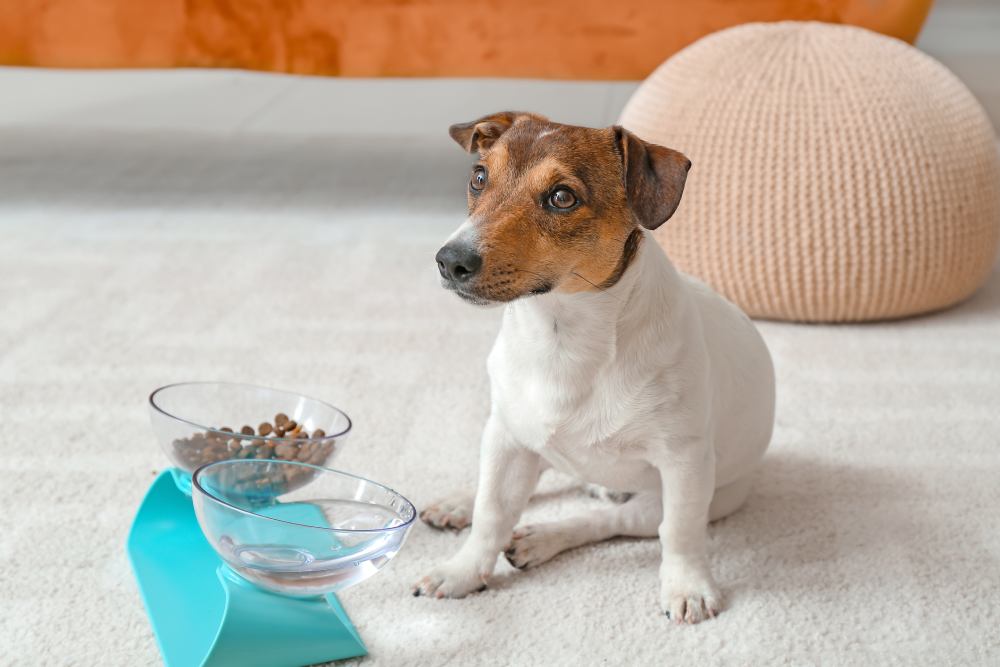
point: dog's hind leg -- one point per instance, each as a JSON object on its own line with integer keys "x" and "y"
{"x": 534, "y": 544}
{"x": 454, "y": 511}
{"x": 729, "y": 498}
{"x": 604, "y": 493}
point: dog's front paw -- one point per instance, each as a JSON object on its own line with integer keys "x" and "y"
{"x": 688, "y": 593}
{"x": 454, "y": 512}
{"x": 453, "y": 579}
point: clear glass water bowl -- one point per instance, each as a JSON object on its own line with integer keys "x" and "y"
{"x": 299, "y": 529}
{"x": 197, "y": 423}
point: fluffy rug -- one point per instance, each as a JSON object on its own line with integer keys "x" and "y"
{"x": 131, "y": 261}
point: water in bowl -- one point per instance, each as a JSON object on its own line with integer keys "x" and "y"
{"x": 320, "y": 560}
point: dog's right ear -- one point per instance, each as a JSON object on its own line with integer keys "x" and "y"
{"x": 480, "y": 134}
{"x": 654, "y": 177}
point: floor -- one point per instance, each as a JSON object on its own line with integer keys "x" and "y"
{"x": 156, "y": 227}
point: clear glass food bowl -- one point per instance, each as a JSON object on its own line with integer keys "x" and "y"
{"x": 203, "y": 422}
{"x": 296, "y": 528}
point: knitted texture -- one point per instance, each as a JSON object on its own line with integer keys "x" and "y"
{"x": 838, "y": 174}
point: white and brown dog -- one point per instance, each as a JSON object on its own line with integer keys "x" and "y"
{"x": 618, "y": 369}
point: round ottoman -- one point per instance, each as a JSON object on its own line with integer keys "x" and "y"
{"x": 838, "y": 174}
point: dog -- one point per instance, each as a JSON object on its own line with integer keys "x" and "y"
{"x": 610, "y": 365}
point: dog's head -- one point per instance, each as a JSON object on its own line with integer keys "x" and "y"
{"x": 554, "y": 207}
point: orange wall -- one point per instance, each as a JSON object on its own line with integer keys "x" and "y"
{"x": 572, "y": 39}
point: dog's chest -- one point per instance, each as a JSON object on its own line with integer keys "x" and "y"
{"x": 568, "y": 406}
{"x": 540, "y": 414}
{"x": 585, "y": 438}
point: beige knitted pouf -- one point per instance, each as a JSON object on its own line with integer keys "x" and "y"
{"x": 837, "y": 175}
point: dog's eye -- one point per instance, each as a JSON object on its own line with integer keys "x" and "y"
{"x": 562, "y": 198}
{"x": 478, "y": 181}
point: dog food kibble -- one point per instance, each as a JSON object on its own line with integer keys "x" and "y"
{"x": 284, "y": 440}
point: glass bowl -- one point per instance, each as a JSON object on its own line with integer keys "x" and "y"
{"x": 203, "y": 422}
{"x": 299, "y": 529}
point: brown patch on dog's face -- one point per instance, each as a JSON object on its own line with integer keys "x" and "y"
{"x": 555, "y": 207}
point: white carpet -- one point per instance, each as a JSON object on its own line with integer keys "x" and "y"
{"x": 128, "y": 261}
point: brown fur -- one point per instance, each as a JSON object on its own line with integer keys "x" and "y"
{"x": 526, "y": 246}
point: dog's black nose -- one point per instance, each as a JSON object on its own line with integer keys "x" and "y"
{"x": 458, "y": 262}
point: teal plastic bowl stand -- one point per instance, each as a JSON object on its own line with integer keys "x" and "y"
{"x": 204, "y": 614}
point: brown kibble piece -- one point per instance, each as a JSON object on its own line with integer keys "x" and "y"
{"x": 221, "y": 442}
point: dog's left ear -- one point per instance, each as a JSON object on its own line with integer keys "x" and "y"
{"x": 654, "y": 178}
{"x": 480, "y": 134}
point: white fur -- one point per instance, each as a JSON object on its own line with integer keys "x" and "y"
{"x": 656, "y": 386}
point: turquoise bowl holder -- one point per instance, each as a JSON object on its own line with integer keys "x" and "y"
{"x": 205, "y": 615}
